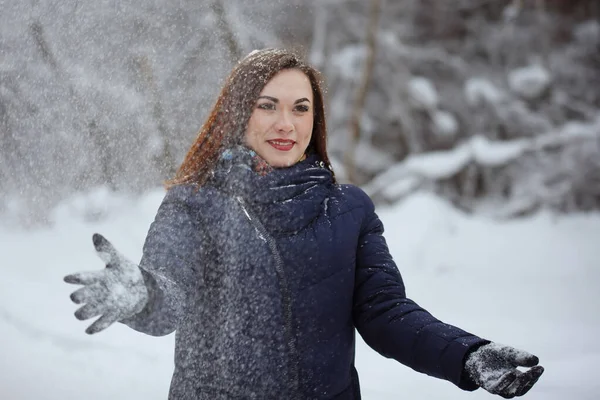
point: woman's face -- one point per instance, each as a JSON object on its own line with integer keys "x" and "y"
{"x": 281, "y": 123}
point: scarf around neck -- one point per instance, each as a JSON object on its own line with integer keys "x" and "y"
{"x": 284, "y": 199}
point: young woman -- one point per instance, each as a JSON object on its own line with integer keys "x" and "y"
{"x": 265, "y": 266}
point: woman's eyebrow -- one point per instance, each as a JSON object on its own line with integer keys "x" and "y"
{"x": 273, "y": 99}
{"x": 276, "y": 100}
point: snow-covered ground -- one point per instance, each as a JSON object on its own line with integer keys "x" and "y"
{"x": 532, "y": 283}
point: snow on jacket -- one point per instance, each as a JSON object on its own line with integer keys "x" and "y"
{"x": 265, "y": 278}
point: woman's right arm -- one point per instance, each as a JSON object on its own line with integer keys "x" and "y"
{"x": 170, "y": 262}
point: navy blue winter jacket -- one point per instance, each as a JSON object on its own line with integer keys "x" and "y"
{"x": 265, "y": 279}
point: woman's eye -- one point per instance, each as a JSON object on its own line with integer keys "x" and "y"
{"x": 302, "y": 108}
{"x": 266, "y": 106}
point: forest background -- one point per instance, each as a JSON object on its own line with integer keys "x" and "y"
{"x": 493, "y": 105}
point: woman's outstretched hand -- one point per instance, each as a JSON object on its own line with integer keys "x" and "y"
{"x": 494, "y": 368}
{"x": 115, "y": 292}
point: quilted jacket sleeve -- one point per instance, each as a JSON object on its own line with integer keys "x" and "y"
{"x": 171, "y": 257}
{"x": 396, "y": 326}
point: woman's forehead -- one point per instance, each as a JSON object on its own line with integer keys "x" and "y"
{"x": 289, "y": 83}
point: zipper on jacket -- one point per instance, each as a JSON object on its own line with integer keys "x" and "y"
{"x": 286, "y": 298}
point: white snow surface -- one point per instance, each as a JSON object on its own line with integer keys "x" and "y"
{"x": 530, "y": 283}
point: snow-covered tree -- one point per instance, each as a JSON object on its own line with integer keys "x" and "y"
{"x": 99, "y": 93}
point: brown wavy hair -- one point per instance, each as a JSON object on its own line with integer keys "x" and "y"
{"x": 226, "y": 125}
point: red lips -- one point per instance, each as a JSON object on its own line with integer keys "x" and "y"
{"x": 282, "y": 144}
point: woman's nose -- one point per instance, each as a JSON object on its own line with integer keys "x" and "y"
{"x": 285, "y": 123}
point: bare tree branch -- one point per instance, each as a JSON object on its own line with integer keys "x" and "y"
{"x": 101, "y": 141}
{"x": 359, "y": 106}
{"x": 235, "y": 52}
{"x": 37, "y": 31}
{"x": 319, "y": 39}
{"x": 87, "y": 119}
{"x": 164, "y": 160}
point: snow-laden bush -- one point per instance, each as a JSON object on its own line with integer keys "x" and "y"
{"x": 475, "y": 101}
{"x": 530, "y": 82}
{"x": 558, "y": 170}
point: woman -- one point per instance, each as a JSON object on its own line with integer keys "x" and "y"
{"x": 265, "y": 266}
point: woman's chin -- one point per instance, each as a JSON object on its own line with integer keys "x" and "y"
{"x": 281, "y": 162}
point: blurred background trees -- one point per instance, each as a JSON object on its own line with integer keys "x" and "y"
{"x": 493, "y": 104}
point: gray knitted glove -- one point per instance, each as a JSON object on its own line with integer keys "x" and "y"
{"x": 494, "y": 368}
{"x": 115, "y": 293}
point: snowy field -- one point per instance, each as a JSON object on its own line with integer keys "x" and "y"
{"x": 532, "y": 283}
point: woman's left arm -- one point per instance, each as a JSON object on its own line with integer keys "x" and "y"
{"x": 396, "y": 326}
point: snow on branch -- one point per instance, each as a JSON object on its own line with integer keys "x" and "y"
{"x": 416, "y": 170}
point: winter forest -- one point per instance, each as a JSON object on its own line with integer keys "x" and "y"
{"x": 482, "y": 102}
{"x": 474, "y": 125}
